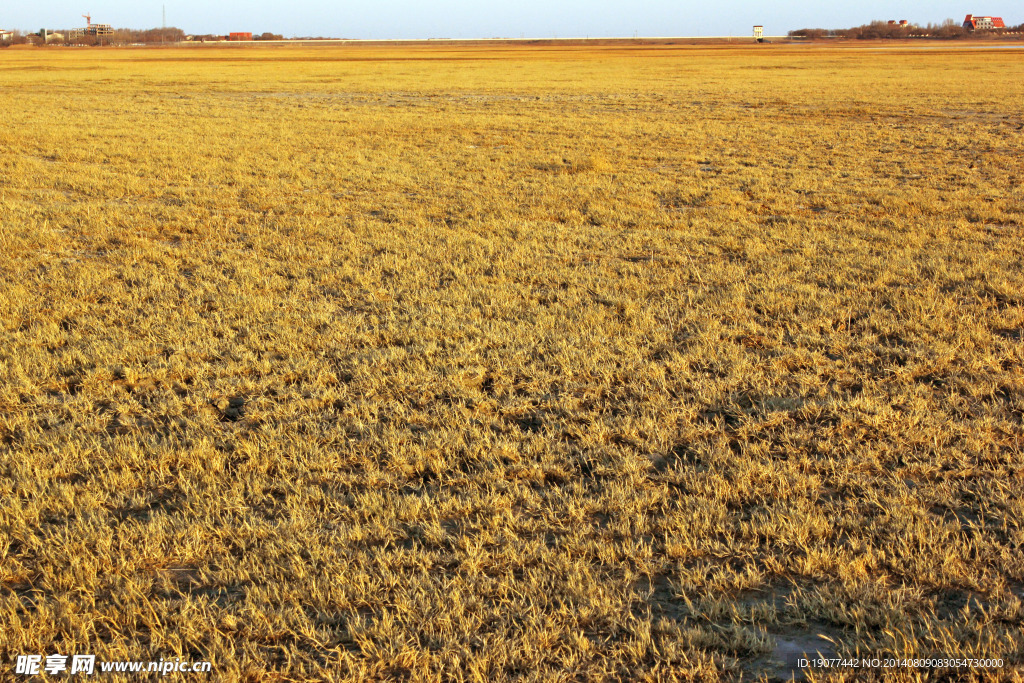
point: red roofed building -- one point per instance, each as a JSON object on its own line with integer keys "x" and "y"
{"x": 240, "y": 35}
{"x": 973, "y": 23}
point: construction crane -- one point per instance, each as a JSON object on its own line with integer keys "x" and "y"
{"x": 88, "y": 20}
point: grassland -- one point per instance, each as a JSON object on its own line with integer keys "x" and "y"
{"x": 511, "y": 364}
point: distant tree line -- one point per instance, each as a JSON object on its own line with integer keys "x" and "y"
{"x": 950, "y": 28}
{"x": 123, "y": 36}
{"x": 127, "y": 36}
{"x": 120, "y": 36}
{"x": 212, "y": 37}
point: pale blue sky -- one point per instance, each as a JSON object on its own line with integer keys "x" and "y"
{"x": 497, "y": 18}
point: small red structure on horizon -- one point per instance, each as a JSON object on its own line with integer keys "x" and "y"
{"x": 240, "y": 35}
{"x": 973, "y": 23}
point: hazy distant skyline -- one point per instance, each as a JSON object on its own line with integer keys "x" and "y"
{"x": 467, "y": 19}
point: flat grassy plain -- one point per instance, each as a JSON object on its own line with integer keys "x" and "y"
{"x": 512, "y": 363}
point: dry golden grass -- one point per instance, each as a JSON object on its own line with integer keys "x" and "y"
{"x": 492, "y": 364}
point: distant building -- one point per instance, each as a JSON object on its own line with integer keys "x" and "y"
{"x": 48, "y": 35}
{"x": 973, "y": 23}
{"x": 98, "y": 30}
{"x": 6, "y": 36}
{"x": 240, "y": 35}
{"x": 759, "y": 33}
